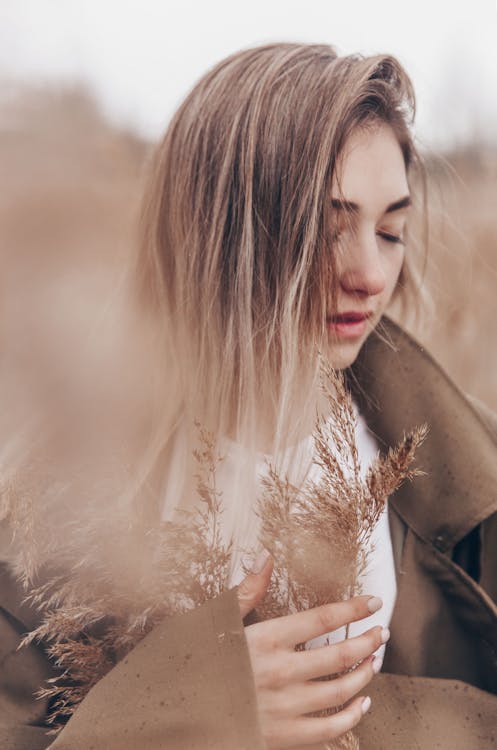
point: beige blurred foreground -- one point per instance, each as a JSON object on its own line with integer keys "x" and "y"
{"x": 68, "y": 211}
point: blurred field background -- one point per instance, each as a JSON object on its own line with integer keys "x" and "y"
{"x": 68, "y": 214}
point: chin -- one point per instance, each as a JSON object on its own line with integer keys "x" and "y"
{"x": 342, "y": 355}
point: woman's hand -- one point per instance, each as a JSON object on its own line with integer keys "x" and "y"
{"x": 285, "y": 679}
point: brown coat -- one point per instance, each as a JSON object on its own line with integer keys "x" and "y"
{"x": 194, "y": 688}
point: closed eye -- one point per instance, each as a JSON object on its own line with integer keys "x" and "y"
{"x": 337, "y": 235}
{"x": 391, "y": 238}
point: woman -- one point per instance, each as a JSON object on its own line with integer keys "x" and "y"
{"x": 275, "y": 227}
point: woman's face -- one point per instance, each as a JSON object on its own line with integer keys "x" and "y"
{"x": 369, "y": 225}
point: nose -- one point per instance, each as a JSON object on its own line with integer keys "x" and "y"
{"x": 360, "y": 269}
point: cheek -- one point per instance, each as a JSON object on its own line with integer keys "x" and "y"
{"x": 392, "y": 269}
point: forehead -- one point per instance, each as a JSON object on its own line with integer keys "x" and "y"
{"x": 370, "y": 170}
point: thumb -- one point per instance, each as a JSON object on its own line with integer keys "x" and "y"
{"x": 253, "y": 587}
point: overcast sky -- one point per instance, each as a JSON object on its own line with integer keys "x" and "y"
{"x": 140, "y": 57}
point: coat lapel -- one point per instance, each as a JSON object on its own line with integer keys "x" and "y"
{"x": 444, "y": 622}
{"x": 399, "y": 386}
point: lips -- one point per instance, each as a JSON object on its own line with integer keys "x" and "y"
{"x": 349, "y": 317}
{"x": 348, "y": 325}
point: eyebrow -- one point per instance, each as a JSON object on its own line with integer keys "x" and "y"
{"x": 354, "y": 208}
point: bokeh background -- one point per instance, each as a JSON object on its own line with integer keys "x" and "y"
{"x": 86, "y": 89}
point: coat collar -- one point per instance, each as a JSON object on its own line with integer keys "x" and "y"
{"x": 399, "y": 386}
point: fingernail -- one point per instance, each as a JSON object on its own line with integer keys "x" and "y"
{"x": 385, "y": 635}
{"x": 377, "y": 662}
{"x": 366, "y": 704}
{"x": 259, "y": 563}
{"x": 374, "y": 604}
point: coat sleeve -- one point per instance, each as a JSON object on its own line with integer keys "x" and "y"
{"x": 187, "y": 684}
{"x": 22, "y": 672}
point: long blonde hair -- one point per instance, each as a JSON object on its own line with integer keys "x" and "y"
{"x": 235, "y": 271}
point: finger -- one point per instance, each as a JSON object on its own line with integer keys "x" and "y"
{"x": 309, "y": 731}
{"x": 253, "y": 587}
{"x": 337, "y": 657}
{"x": 324, "y": 694}
{"x": 299, "y": 699}
{"x": 305, "y": 731}
{"x": 303, "y": 626}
